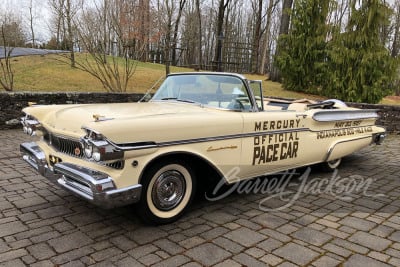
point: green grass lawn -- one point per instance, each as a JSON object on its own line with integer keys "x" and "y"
{"x": 49, "y": 74}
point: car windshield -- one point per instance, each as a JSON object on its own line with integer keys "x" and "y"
{"x": 219, "y": 91}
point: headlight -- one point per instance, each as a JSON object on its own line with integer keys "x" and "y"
{"x": 98, "y": 152}
{"x": 98, "y": 148}
{"x": 30, "y": 131}
{"x": 88, "y": 150}
{"x": 97, "y": 156}
{"x": 30, "y": 125}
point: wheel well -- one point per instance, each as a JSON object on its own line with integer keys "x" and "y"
{"x": 206, "y": 173}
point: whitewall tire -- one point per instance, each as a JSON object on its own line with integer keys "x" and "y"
{"x": 168, "y": 189}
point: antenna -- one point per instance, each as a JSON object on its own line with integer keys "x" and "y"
{"x": 148, "y": 92}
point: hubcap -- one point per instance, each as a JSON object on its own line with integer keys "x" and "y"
{"x": 168, "y": 190}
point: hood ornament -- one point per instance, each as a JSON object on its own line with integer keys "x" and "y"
{"x": 98, "y": 118}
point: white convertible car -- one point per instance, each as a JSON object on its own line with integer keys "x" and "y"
{"x": 196, "y": 126}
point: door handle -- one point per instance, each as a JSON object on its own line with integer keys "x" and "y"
{"x": 302, "y": 115}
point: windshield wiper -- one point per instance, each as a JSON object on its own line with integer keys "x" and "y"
{"x": 177, "y": 99}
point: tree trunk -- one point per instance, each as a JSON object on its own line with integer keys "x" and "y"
{"x": 167, "y": 47}
{"x": 144, "y": 29}
{"x": 176, "y": 29}
{"x": 283, "y": 29}
{"x": 396, "y": 43}
{"x": 396, "y": 38}
{"x": 58, "y": 34}
{"x": 7, "y": 77}
{"x": 219, "y": 33}
{"x": 266, "y": 53}
{"x": 31, "y": 23}
{"x": 257, "y": 38}
{"x": 200, "y": 57}
{"x": 68, "y": 15}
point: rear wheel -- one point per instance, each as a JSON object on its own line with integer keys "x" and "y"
{"x": 330, "y": 166}
{"x": 168, "y": 189}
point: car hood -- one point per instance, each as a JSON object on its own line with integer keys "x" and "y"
{"x": 133, "y": 122}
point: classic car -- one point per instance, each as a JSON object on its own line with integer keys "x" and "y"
{"x": 196, "y": 126}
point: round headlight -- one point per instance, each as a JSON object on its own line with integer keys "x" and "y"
{"x": 96, "y": 156}
{"x": 30, "y": 131}
{"x": 25, "y": 129}
{"x": 88, "y": 150}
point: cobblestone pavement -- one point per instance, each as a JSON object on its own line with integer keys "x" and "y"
{"x": 42, "y": 225}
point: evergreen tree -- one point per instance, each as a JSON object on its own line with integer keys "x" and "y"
{"x": 360, "y": 68}
{"x": 302, "y": 52}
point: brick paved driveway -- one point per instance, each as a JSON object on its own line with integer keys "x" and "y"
{"x": 41, "y": 225}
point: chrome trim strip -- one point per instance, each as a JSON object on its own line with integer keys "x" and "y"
{"x": 344, "y": 115}
{"x": 82, "y": 174}
{"x": 151, "y": 144}
{"x": 75, "y": 188}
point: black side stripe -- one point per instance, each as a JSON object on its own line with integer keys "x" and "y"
{"x": 150, "y": 144}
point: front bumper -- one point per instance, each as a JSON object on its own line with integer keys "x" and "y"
{"x": 94, "y": 186}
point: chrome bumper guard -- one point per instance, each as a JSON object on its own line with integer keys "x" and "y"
{"x": 94, "y": 186}
{"x": 379, "y": 138}
{"x": 35, "y": 157}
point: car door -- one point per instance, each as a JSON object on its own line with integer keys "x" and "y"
{"x": 272, "y": 139}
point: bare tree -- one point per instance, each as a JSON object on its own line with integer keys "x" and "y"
{"x": 64, "y": 12}
{"x": 258, "y": 8}
{"x": 57, "y": 20}
{"x": 169, "y": 7}
{"x": 31, "y": 19}
{"x": 13, "y": 33}
{"x": 191, "y": 36}
{"x": 338, "y": 13}
{"x": 176, "y": 31}
{"x": 98, "y": 32}
{"x": 169, "y": 15}
{"x": 266, "y": 50}
{"x": 219, "y": 32}
{"x": 199, "y": 40}
{"x": 144, "y": 9}
{"x": 7, "y": 78}
{"x": 395, "y": 49}
{"x": 69, "y": 14}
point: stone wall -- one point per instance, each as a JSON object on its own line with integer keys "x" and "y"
{"x": 389, "y": 115}
{"x": 11, "y": 105}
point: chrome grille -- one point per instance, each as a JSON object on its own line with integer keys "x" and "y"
{"x": 119, "y": 165}
{"x": 69, "y": 147}
{"x": 66, "y": 146}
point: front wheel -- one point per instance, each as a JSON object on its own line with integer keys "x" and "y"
{"x": 168, "y": 189}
